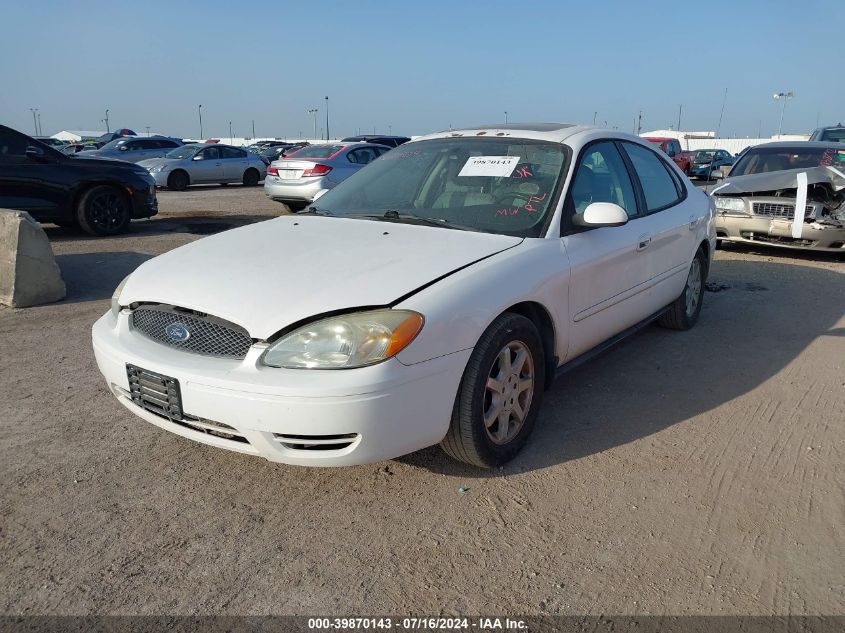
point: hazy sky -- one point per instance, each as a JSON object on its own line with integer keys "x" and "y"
{"x": 418, "y": 66}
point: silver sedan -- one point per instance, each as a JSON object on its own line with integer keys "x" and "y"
{"x": 296, "y": 179}
{"x": 204, "y": 164}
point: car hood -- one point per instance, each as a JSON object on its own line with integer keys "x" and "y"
{"x": 272, "y": 274}
{"x": 776, "y": 180}
{"x": 155, "y": 162}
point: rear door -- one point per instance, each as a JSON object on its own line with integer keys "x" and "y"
{"x": 234, "y": 162}
{"x": 608, "y": 266}
{"x": 668, "y": 225}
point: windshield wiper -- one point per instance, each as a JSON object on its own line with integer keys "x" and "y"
{"x": 312, "y": 210}
{"x": 392, "y": 215}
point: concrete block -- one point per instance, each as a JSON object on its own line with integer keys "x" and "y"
{"x": 28, "y": 271}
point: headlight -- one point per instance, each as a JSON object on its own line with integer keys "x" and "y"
{"x": 729, "y": 204}
{"x": 346, "y": 341}
{"x": 157, "y": 168}
{"x": 115, "y": 298}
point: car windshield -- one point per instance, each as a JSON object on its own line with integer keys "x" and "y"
{"x": 317, "y": 151}
{"x": 704, "y": 156}
{"x": 760, "y": 160}
{"x": 186, "y": 151}
{"x": 115, "y": 144}
{"x": 657, "y": 144}
{"x": 505, "y": 186}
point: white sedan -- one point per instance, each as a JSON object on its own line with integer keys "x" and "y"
{"x": 438, "y": 293}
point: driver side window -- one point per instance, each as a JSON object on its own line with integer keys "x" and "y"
{"x": 601, "y": 176}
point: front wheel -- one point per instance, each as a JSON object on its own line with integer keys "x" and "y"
{"x": 103, "y": 210}
{"x": 178, "y": 181}
{"x": 684, "y": 311}
{"x": 500, "y": 394}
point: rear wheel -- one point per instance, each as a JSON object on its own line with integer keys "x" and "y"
{"x": 103, "y": 210}
{"x": 251, "y": 177}
{"x": 500, "y": 394}
{"x": 683, "y": 313}
{"x": 178, "y": 181}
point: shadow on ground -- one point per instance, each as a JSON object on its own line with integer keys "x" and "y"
{"x": 94, "y": 276}
{"x": 763, "y": 316}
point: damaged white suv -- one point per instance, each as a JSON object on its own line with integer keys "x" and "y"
{"x": 787, "y": 194}
{"x": 429, "y": 298}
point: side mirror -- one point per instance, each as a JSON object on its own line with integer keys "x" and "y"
{"x": 719, "y": 174}
{"x": 601, "y": 214}
{"x": 197, "y": 157}
{"x": 35, "y": 153}
{"x": 123, "y": 148}
{"x": 319, "y": 194}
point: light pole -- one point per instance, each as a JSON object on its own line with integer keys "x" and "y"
{"x": 680, "y": 109}
{"x": 40, "y": 129}
{"x": 595, "y": 114}
{"x": 313, "y": 112}
{"x": 231, "y": 138}
{"x": 253, "y": 129}
{"x": 34, "y": 119}
{"x": 390, "y": 129}
{"x": 506, "y": 117}
{"x": 327, "y": 118}
{"x": 782, "y": 96}
{"x": 148, "y": 129}
{"x": 199, "y": 110}
{"x": 106, "y": 120}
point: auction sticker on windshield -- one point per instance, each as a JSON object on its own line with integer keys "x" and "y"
{"x": 497, "y": 166}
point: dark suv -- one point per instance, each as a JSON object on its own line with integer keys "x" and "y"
{"x": 101, "y": 196}
{"x": 834, "y": 134}
{"x": 390, "y": 141}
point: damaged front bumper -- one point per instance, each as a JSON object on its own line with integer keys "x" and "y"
{"x": 758, "y": 229}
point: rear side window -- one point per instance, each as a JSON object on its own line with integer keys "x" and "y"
{"x": 232, "y": 152}
{"x": 659, "y": 187}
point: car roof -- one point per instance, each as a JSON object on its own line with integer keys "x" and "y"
{"x": 574, "y": 134}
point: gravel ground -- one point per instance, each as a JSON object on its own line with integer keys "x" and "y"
{"x": 680, "y": 473}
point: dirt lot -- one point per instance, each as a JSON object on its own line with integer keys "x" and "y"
{"x": 682, "y": 473}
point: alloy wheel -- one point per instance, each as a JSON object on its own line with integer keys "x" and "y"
{"x": 508, "y": 392}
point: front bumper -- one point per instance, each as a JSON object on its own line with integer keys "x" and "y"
{"x": 303, "y": 417}
{"x": 300, "y": 190}
{"x": 144, "y": 200}
{"x": 757, "y": 229}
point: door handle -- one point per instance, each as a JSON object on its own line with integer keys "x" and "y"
{"x": 643, "y": 242}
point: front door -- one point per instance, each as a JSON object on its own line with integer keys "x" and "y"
{"x": 607, "y": 264}
{"x": 207, "y": 166}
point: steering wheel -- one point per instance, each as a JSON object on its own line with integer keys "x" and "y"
{"x": 509, "y": 196}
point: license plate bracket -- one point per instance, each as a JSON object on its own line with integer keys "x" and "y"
{"x": 155, "y": 392}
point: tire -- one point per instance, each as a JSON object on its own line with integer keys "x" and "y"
{"x": 178, "y": 181}
{"x": 684, "y": 311}
{"x": 489, "y": 445}
{"x": 295, "y": 207}
{"x": 103, "y": 210}
{"x": 251, "y": 177}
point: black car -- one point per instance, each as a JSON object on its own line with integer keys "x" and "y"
{"x": 390, "y": 141}
{"x": 101, "y": 196}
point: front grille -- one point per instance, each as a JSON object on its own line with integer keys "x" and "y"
{"x": 205, "y": 334}
{"x": 316, "y": 442}
{"x": 776, "y": 210}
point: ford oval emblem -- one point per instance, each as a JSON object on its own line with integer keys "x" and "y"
{"x": 177, "y": 333}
